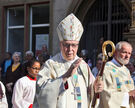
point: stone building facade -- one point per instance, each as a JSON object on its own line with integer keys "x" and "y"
{"x": 26, "y": 24}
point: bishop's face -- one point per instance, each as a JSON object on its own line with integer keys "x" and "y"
{"x": 69, "y": 49}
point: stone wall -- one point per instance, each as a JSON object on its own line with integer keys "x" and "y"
{"x": 59, "y": 10}
{"x": 16, "y": 2}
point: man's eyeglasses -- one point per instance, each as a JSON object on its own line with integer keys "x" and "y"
{"x": 68, "y": 45}
{"x": 35, "y": 68}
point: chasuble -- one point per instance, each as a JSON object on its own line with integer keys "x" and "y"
{"x": 50, "y": 91}
{"x": 117, "y": 84}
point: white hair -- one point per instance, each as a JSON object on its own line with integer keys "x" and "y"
{"x": 84, "y": 52}
{"x": 121, "y": 43}
{"x": 29, "y": 53}
{"x": 16, "y": 53}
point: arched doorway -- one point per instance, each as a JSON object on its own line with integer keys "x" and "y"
{"x": 104, "y": 18}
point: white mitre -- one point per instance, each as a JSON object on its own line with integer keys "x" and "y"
{"x": 70, "y": 28}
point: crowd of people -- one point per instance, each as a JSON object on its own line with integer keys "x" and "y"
{"x": 66, "y": 80}
{"x": 16, "y": 73}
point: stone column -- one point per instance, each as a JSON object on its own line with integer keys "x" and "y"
{"x": 130, "y": 36}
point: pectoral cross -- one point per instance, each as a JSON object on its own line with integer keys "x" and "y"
{"x": 75, "y": 93}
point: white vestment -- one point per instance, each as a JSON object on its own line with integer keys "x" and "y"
{"x": 24, "y": 92}
{"x": 117, "y": 84}
{"x": 50, "y": 92}
{"x": 3, "y": 101}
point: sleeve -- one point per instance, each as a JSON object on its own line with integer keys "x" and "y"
{"x": 91, "y": 87}
{"x": 92, "y": 78}
{"x": 4, "y": 99}
{"x": 48, "y": 89}
{"x": 110, "y": 96}
{"x": 17, "y": 98}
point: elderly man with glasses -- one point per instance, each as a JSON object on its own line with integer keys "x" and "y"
{"x": 65, "y": 79}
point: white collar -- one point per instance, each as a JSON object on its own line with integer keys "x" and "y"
{"x": 71, "y": 61}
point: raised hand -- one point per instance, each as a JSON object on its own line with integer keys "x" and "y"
{"x": 72, "y": 69}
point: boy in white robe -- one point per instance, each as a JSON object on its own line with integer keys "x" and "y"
{"x": 24, "y": 89}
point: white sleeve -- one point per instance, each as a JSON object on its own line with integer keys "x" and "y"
{"x": 17, "y": 98}
{"x": 61, "y": 87}
{"x": 4, "y": 99}
{"x": 47, "y": 92}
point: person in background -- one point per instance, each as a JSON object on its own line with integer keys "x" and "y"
{"x": 28, "y": 57}
{"x": 44, "y": 54}
{"x": 90, "y": 63}
{"x": 119, "y": 89}
{"x": 3, "y": 98}
{"x": 0, "y": 74}
{"x": 100, "y": 56}
{"x": 24, "y": 89}
{"x": 44, "y": 49}
{"x": 131, "y": 68}
{"x": 97, "y": 68}
{"x": 41, "y": 59}
{"x": 132, "y": 59}
{"x": 84, "y": 55}
{"x": 99, "y": 46}
{"x": 65, "y": 80}
{"x": 14, "y": 72}
{"x": 5, "y": 64}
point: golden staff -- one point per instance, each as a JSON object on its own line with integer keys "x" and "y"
{"x": 105, "y": 58}
{"x": 110, "y": 54}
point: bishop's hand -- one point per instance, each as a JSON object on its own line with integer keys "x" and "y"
{"x": 72, "y": 69}
{"x": 98, "y": 85}
{"x": 132, "y": 94}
